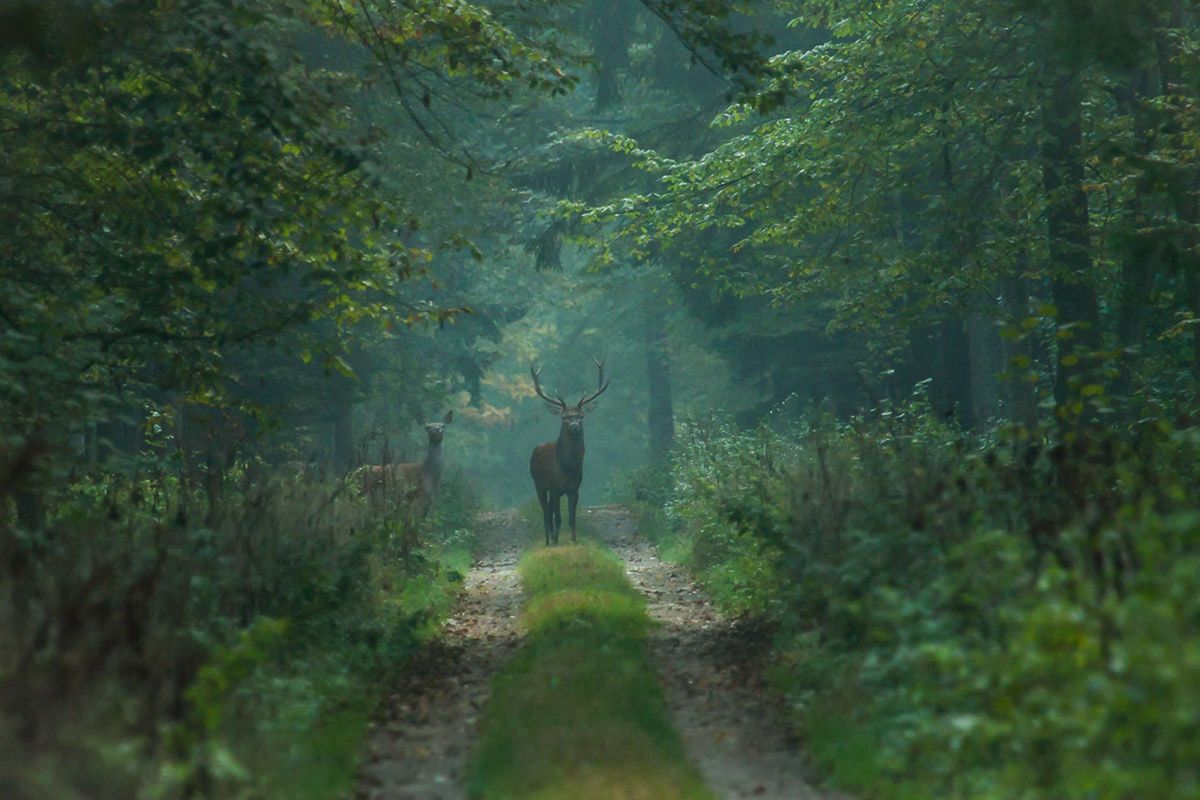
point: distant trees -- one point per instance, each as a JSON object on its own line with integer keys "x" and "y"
{"x": 946, "y": 180}
{"x": 198, "y": 196}
{"x": 194, "y": 212}
{"x": 246, "y": 206}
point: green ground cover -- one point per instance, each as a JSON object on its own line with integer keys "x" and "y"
{"x": 959, "y": 616}
{"x": 578, "y": 712}
{"x": 241, "y": 659}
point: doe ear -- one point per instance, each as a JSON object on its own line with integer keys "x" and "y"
{"x": 446, "y": 420}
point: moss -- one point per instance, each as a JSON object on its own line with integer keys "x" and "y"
{"x": 578, "y": 712}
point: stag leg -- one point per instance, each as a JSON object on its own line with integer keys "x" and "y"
{"x": 556, "y": 507}
{"x": 543, "y": 496}
{"x": 572, "y": 502}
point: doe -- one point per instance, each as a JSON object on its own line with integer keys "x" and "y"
{"x": 418, "y": 480}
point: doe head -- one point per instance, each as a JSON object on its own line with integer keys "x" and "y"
{"x": 436, "y": 430}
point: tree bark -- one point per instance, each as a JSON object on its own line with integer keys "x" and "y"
{"x": 1144, "y": 256}
{"x": 1067, "y": 225}
{"x": 1187, "y": 206}
{"x": 661, "y": 411}
{"x": 610, "y": 46}
{"x": 1020, "y": 355}
{"x": 343, "y": 437}
{"x": 987, "y": 362}
{"x": 952, "y": 387}
{"x": 31, "y": 511}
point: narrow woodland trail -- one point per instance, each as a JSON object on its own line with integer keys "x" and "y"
{"x": 732, "y": 727}
{"x": 420, "y": 743}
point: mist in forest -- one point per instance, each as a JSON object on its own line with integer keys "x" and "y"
{"x": 865, "y": 337}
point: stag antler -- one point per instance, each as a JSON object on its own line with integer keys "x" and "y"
{"x": 603, "y": 384}
{"x": 537, "y": 386}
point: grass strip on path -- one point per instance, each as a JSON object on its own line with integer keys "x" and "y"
{"x": 578, "y": 713}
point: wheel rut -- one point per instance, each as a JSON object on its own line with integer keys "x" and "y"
{"x": 420, "y": 741}
{"x": 731, "y": 723}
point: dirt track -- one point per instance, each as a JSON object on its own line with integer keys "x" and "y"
{"x": 730, "y": 723}
{"x": 419, "y": 745}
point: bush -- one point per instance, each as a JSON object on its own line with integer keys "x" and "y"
{"x": 972, "y": 616}
{"x": 143, "y": 653}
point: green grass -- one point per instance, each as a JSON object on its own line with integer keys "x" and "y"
{"x": 578, "y": 713}
{"x": 302, "y": 724}
{"x": 320, "y": 762}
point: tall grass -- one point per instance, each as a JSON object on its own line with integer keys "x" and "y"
{"x": 146, "y": 654}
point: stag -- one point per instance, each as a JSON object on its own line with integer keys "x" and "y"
{"x": 418, "y": 480}
{"x": 557, "y": 467}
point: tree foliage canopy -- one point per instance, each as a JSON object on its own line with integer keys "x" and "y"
{"x": 935, "y": 257}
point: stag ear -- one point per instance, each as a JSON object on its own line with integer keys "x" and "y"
{"x": 589, "y": 408}
{"x": 446, "y": 420}
{"x": 555, "y": 410}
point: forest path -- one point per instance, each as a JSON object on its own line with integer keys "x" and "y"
{"x": 731, "y": 724}
{"x": 420, "y": 742}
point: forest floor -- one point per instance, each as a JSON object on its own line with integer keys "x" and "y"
{"x": 709, "y": 666}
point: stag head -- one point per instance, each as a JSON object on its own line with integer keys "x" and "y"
{"x": 571, "y": 415}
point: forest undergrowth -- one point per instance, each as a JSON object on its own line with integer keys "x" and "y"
{"x": 145, "y": 653}
{"x": 1014, "y": 615}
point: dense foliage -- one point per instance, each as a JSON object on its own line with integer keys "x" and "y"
{"x": 962, "y": 616}
{"x": 983, "y": 593}
{"x": 248, "y": 247}
{"x": 149, "y": 654}
{"x": 931, "y": 173}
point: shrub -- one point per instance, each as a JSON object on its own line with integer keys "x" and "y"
{"x": 959, "y": 615}
{"x": 143, "y": 653}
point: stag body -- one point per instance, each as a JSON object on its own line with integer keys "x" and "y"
{"x": 557, "y": 470}
{"x": 418, "y": 480}
{"x": 557, "y": 467}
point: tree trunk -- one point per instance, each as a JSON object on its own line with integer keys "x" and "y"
{"x": 987, "y": 362}
{"x": 610, "y": 46}
{"x": 952, "y": 388}
{"x": 31, "y": 511}
{"x": 1141, "y": 262}
{"x": 187, "y": 471}
{"x": 921, "y": 361}
{"x": 1193, "y": 284}
{"x": 91, "y": 444}
{"x": 1187, "y": 206}
{"x": 214, "y": 484}
{"x": 1020, "y": 356}
{"x": 343, "y": 437}
{"x": 1137, "y": 282}
{"x": 1067, "y": 226}
{"x": 661, "y": 412}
